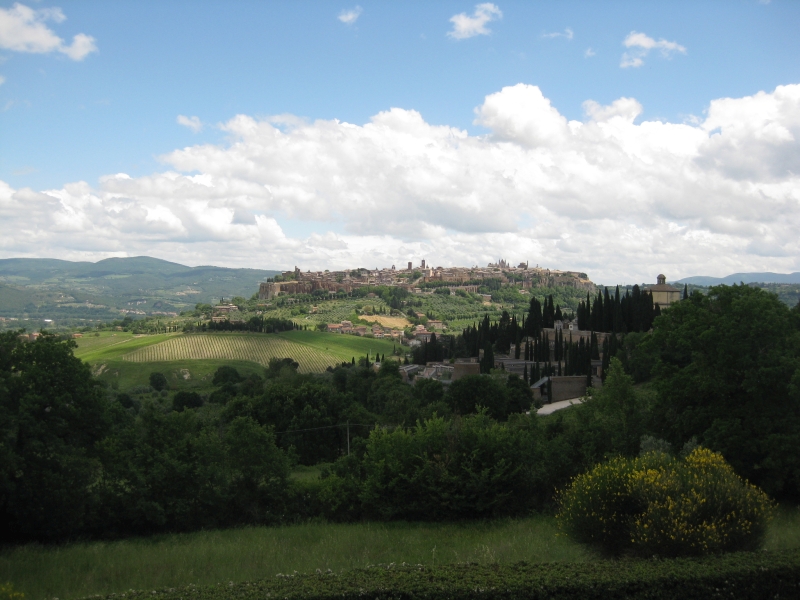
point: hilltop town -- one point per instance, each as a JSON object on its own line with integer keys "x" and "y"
{"x": 423, "y": 278}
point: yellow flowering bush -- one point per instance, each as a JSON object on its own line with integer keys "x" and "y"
{"x": 7, "y": 592}
{"x": 659, "y": 505}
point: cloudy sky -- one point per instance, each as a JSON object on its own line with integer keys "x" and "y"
{"x": 622, "y": 139}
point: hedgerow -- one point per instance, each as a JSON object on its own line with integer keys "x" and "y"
{"x": 742, "y": 575}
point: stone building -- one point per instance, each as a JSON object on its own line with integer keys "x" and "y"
{"x": 663, "y": 293}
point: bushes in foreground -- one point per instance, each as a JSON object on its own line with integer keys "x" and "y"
{"x": 660, "y": 505}
{"x": 763, "y": 575}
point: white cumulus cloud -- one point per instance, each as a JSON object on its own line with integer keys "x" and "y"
{"x": 350, "y": 16}
{"x": 23, "y": 29}
{"x": 640, "y": 46}
{"x": 193, "y": 123}
{"x": 615, "y": 195}
{"x": 465, "y": 26}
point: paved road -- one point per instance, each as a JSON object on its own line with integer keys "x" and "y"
{"x": 551, "y": 408}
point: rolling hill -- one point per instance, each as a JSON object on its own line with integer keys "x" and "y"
{"x": 36, "y": 289}
{"x": 791, "y": 278}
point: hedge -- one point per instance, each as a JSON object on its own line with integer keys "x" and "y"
{"x": 740, "y": 575}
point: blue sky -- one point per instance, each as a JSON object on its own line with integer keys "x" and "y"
{"x": 83, "y": 113}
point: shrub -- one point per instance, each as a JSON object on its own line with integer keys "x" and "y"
{"x": 138, "y": 390}
{"x": 7, "y": 592}
{"x": 184, "y": 400}
{"x": 764, "y": 575}
{"x": 158, "y": 381}
{"x": 125, "y": 400}
{"x": 226, "y": 374}
{"x": 467, "y": 468}
{"x": 660, "y": 505}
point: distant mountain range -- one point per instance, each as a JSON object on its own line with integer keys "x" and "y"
{"x": 742, "y": 278}
{"x": 63, "y": 291}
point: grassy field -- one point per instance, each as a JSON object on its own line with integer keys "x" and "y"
{"x": 125, "y": 361}
{"x": 342, "y": 346}
{"x": 112, "y": 345}
{"x": 79, "y": 570}
{"x": 185, "y": 375}
{"x": 314, "y": 351}
{"x": 82, "y": 569}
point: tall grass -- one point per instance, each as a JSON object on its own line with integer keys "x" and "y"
{"x": 784, "y": 531}
{"x": 83, "y": 569}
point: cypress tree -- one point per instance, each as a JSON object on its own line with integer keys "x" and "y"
{"x": 488, "y": 358}
{"x": 619, "y": 325}
{"x": 608, "y": 312}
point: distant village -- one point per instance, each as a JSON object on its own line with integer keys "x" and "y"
{"x": 418, "y": 280}
{"x": 412, "y": 278}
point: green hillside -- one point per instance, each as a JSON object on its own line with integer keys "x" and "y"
{"x": 315, "y": 351}
{"x": 72, "y": 294}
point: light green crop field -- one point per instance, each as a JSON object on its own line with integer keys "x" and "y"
{"x": 111, "y": 346}
{"x": 314, "y": 351}
{"x": 344, "y": 346}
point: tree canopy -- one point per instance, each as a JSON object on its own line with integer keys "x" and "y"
{"x": 728, "y": 372}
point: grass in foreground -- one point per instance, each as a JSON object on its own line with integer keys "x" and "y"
{"x": 83, "y": 569}
{"x": 248, "y": 554}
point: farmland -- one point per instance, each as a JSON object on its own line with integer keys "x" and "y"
{"x": 110, "y": 346}
{"x": 312, "y": 350}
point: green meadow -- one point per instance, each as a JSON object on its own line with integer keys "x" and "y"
{"x": 207, "y": 557}
{"x": 83, "y": 569}
{"x": 189, "y": 360}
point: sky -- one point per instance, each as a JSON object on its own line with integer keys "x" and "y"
{"x": 621, "y": 139}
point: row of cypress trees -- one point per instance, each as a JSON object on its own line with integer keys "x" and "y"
{"x": 613, "y": 313}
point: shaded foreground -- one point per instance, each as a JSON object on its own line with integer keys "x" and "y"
{"x": 744, "y": 575}
{"x": 260, "y": 553}
{"x": 254, "y": 553}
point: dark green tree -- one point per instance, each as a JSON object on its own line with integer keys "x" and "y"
{"x": 465, "y": 395}
{"x": 226, "y": 374}
{"x": 728, "y": 372}
{"x": 183, "y": 400}
{"x": 487, "y": 362}
{"x": 158, "y": 381}
{"x": 52, "y": 414}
